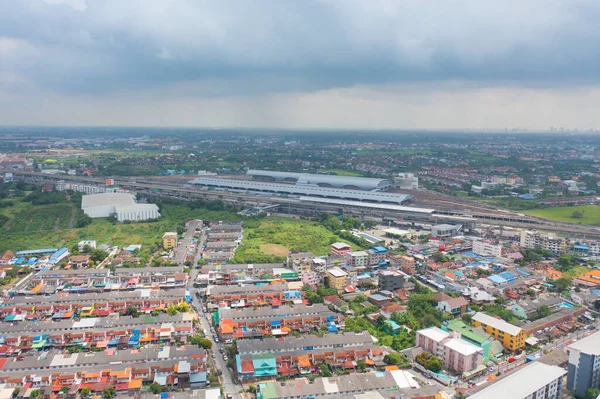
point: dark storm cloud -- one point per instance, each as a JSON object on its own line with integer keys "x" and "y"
{"x": 249, "y": 47}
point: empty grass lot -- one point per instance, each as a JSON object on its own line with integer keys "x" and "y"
{"x": 591, "y": 214}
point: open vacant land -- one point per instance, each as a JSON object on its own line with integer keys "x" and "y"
{"x": 277, "y": 234}
{"x": 591, "y": 214}
{"x": 274, "y": 249}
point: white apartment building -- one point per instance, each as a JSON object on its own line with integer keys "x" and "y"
{"x": 487, "y": 248}
{"x": 534, "y": 381}
{"x": 357, "y": 258}
{"x": 532, "y": 239}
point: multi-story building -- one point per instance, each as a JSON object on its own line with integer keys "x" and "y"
{"x": 337, "y": 279}
{"x": 169, "y": 240}
{"x": 534, "y": 381}
{"x": 487, "y": 248}
{"x": 511, "y": 336}
{"x": 89, "y": 243}
{"x": 406, "y": 181}
{"x": 445, "y": 230}
{"x": 532, "y": 239}
{"x": 456, "y": 354}
{"x": 407, "y": 264}
{"x": 391, "y": 280}
{"x": 584, "y": 364}
{"x": 340, "y": 249}
{"x": 376, "y": 255}
{"x": 358, "y": 258}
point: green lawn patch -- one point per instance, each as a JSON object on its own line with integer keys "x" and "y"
{"x": 293, "y": 234}
{"x": 591, "y": 214}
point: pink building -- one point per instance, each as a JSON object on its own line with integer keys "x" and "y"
{"x": 457, "y": 354}
{"x": 340, "y": 249}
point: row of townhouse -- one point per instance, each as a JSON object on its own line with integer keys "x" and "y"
{"x": 99, "y": 339}
{"x": 299, "y": 355}
{"x": 57, "y": 360}
{"x": 249, "y": 322}
{"x": 274, "y": 294}
{"x": 86, "y": 309}
{"x": 97, "y": 324}
{"x": 248, "y": 273}
{"x": 254, "y": 367}
{"x": 126, "y": 277}
{"x": 177, "y": 374}
{"x": 91, "y": 297}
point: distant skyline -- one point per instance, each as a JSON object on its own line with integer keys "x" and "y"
{"x": 339, "y": 64}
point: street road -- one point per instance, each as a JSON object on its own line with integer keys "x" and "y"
{"x": 181, "y": 250}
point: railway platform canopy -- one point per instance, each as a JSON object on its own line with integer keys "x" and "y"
{"x": 322, "y": 180}
{"x": 251, "y": 186}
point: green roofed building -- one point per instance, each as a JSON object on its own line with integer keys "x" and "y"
{"x": 492, "y": 348}
{"x": 266, "y": 391}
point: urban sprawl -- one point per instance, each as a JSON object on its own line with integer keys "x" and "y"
{"x": 277, "y": 267}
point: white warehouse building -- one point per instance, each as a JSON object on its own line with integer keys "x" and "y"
{"x": 121, "y": 205}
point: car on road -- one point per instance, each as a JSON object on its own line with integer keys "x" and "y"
{"x": 491, "y": 369}
{"x": 512, "y": 359}
{"x": 229, "y": 396}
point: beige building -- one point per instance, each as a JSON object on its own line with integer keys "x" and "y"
{"x": 337, "y": 279}
{"x": 169, "y": 240}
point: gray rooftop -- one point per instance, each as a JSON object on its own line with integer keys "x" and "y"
{"x": 335, "y": 385}
{"x": 246, "y": 289}
{"x": 58, "y": 360}
{"x": 589, "y": 345}
{"x": 96, "y": 297}
{"x": 301, "y": 190}
{"x": 282, "y": 311}
{"x": 269, "y": 345}
{"x": 93, "y": 323}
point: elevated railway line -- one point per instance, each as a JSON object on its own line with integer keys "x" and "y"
{"x": 311, "y": 206}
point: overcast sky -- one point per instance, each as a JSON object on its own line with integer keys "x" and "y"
{"x": 301, "y": 64}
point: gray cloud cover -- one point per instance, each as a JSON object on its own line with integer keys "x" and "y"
{"x": 251, "y": 58}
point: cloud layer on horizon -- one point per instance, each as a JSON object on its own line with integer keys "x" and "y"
{"x": 250, "y": 59}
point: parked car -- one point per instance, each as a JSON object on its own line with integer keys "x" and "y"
{"x": 512, "y": 359}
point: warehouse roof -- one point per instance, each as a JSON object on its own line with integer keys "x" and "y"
{"x": 107, "y": 199}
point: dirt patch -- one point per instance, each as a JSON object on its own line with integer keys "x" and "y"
{"x": 275, "y": 249}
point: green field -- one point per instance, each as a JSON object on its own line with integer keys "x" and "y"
{"x": 31, "y": 227}
{"x": 292, "y": 234}
{"x": 591, "y": 214}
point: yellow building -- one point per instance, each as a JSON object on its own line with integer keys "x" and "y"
{"x": 512, "y": 337}
{"x": 169, "y": 240}
{"x": 337, "y": 279}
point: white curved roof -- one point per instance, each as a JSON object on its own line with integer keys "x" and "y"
{"x": 301, "y": 190}
{"x": 363, "y": 183}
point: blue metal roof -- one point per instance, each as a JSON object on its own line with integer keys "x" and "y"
{"x": 497, "y": 279}
{"x": 59, "y": 253}
{"x": 507, "y": 275}
{"x": 379, "y": 249}
{"x": 36, "y": 251}
{"x": 522, "y": 272}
